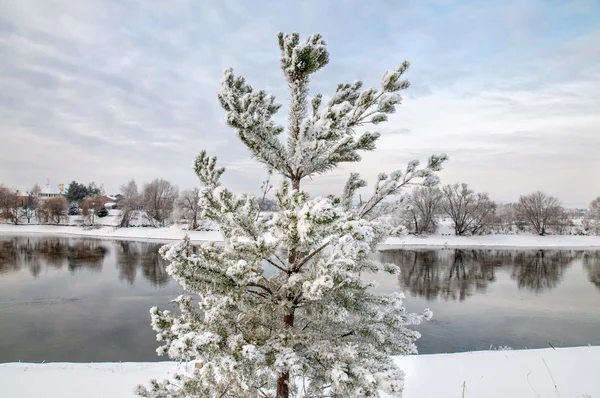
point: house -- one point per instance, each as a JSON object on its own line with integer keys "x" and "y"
{"x": 110, "y": 202}
{"x": 52, "y": 191}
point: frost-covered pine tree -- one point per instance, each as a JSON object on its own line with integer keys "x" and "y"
{"x": 284, "y": 308}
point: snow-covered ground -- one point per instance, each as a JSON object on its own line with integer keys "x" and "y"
{"x": 438, "y": 240}
{"x": 133, "y": 233}
{"x": 564, "y": 372}
{"x": 498, "y": 240}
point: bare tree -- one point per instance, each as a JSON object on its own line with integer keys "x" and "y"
{"x": 541, "y": 212}
{"x": 90, "y": 208}
{"x": 470, "y": 212}
{"x": 505, "y": 219}
{"x": 53, "y": 210}
{"x": 29, "y": 207}
{"x": 190, "y": 209}
{"x": 35, "y": 190}
{"x": 593, "y": 215}
{"x": 159, "y": 201}
{"x": 422, "y": 205}
{"x": 129, "y": 203}
{"x": 9, "y": 205}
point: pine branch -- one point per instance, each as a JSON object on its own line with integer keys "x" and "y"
{"x": 266, "y": 289}
{"x": 307, "y": 258}
{"x": 257, "y": 293}
{"x": 287, "y": 271}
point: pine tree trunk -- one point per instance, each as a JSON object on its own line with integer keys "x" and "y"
{"x": 296, "y": 184}
{"x": 283, "y": 388}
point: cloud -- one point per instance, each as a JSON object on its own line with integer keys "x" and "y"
{"x": 114, "y": 90}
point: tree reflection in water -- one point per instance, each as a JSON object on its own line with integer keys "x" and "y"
{"x": 36, "y": 253}
{"x": 541, "y": 269}
{"x": 459, "y": 273}
{"x": 134, "y": 255}
{"x": 128, "y": 260}
{"x": 422, "y": 273}
{"x": 32, "y": 253}
{"x": 591, "y": 263}
{"x": 86, "y": 254}
{"x": 467, "y": 270}
{"x": 434, "y": 274}
{"x": 9, "y": 255}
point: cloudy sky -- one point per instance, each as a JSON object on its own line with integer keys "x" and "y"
{"x": 110, "y": 90}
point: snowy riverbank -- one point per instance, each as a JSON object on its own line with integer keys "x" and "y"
{"x": 566, "y": 372}
{"x": 176, "y": 233}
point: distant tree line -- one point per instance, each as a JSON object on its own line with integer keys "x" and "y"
{"x": 473, "y": 213}
{"x": 159, "y": 203}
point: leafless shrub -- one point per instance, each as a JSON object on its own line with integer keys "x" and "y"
{"x": 504, "y": 220}
{"x": 53, "y": 210}
{"x": 90, "y": 208}
{"x": 9, "y": 205}
{"x": 29, "y": 207}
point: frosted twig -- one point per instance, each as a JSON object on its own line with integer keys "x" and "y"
{"x": 533, "y": 389}
{"x": 555, "y": 386}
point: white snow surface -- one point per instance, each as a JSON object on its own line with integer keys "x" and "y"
{"x": 176, "y": 233}
{"x": 133, "y": 233}
{"x": 565, "y": 372}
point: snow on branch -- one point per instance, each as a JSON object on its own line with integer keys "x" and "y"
{"x": 250, "y": 113}
{"x": 388, "y": 185}
{"x": 237, "y": 216}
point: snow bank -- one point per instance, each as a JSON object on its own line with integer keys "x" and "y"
{"x": 176, "y": 233}
{"x": 507, "y": 241}
{"x": 501, "y": 374}
{"x": 566, "y": 372}
{"x": 133, "y": 233}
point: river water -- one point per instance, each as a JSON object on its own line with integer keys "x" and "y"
{"x": 88, "y": 300}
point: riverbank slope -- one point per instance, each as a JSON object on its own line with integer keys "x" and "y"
{"x": 566, "y": 372}
{"x": 438, "y": 240}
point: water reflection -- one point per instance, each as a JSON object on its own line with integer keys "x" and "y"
{"x": 591, "y": 263}
{"x": 459, "y": 273}
{"x": 541, "y": 269}
{"x": 452, "y": 275}
{"x": 134, "y": 255}
{"x": 76, "y": 299}
{"x": 33, "y": 254}
{"x": 128, "y": 259}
